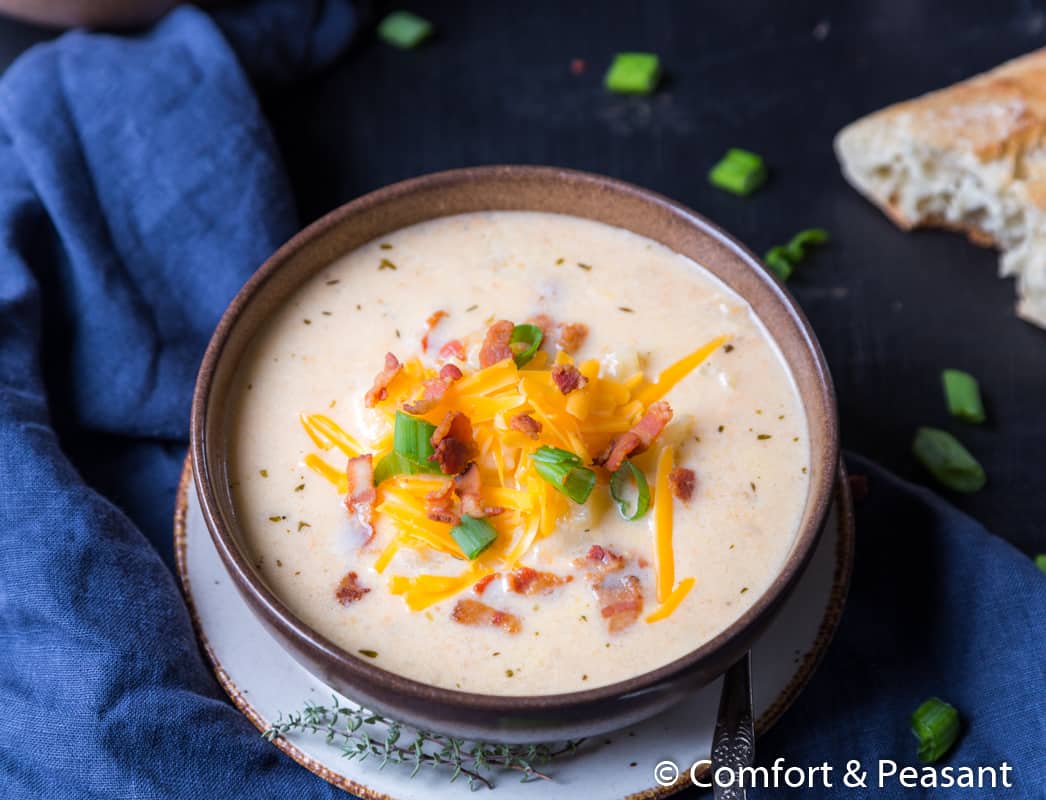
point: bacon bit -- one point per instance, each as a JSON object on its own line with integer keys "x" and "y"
{"x": 621, "y": 602}
{"x": 432, "y": 391}
{"x": 495, "y": 346}
{"x": 572, "y": 336}
{"x": 453, "y": 349}
{"x": 451, "y": 373}
{"x": 379, "y": 391}
{"x": 481, "y": 585}
{"x": 467, "y": 486}
{"x": 682, "y": 481}
{"x": 602, "y": 558}
{"x": 472, "y": 612}
{"x": 453, "y": 443}
{"x": 359, "y": 473}
{"x": 455, "y": 425}
{"x": 568, "y": 337}
{"x": 639, "y": 438}
{"x": 524, "y": 580}
{"x": 567, "y": 378}
{"x": 441, "y": 505}
{"x": 547, "y": 325}
{"x": 524, "y": 423}
{"x": 452, "y": 455}
{"x": 431, "y": 323}
{"x": 349, "y": 590}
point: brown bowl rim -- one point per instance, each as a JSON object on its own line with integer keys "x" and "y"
{"x": 337, "y": 659}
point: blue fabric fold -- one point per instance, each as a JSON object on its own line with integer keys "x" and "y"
{"x": 139, "y": 187}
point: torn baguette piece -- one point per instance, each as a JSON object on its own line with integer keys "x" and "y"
{"x": 971, "y": 158}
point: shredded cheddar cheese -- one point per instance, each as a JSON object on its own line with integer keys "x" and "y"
{"x": 671, "y": 603}
{"x": 584, "y": 421}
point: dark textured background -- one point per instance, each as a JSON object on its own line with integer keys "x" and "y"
{"x": 891, "y": 309}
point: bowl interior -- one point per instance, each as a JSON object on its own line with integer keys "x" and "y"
{"x": 509, "y": 188}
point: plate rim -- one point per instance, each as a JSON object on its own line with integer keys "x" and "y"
{"x": 837, "y": 596}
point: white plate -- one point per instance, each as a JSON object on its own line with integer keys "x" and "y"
{"x": 263, "y": 680}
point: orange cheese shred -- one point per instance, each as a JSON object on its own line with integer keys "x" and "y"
{"x": 321, "y": 467}
{"x": 673, "y": 374}
{"x": 671, "y": 603}
{"x": 664, "y": 558}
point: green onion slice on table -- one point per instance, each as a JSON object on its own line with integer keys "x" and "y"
{"x": 404, "y": 30}
{"x": 783, "y": 258}
{"x": 936, "y": 725}
{"x": 739, "y": 171}
{"x": 948, "y": 461}
{"x": 963, "y": 395}
{"x": 564, "y": 471}
{"x": 631, "y": 505}
{"x": 633, "y": 73}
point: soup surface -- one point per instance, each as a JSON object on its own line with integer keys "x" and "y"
{"x": 568, "y": 595}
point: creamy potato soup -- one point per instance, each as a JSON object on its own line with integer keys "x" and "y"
{"x": 517, "y": 453}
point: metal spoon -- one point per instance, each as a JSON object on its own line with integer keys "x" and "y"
{"x": 733, "y": 743}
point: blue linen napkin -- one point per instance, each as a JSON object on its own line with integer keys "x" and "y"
{"x": 139, "y": 187}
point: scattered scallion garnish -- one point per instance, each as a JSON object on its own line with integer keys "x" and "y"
{"x": 739, "y": 171}
{"x": 1040, "y": 561}
{"x": 963, "y": 395}
{"x": 783, "y": 258}
{"x": 564, "y": 471}
{"x": 473, "y": 535}
{"x": 404, "y": 30}
{"x": 948, "y": 461}
{"x": 631, "y": 508}
{"x": 529, "y": 335}
{"x": 633, "y": 73}
{"x": 936, "y": 725}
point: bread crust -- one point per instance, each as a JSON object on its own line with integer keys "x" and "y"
{"x": 969, "y": 158}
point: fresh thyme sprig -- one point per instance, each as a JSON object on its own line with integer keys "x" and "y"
{"x": 362, "y": 734}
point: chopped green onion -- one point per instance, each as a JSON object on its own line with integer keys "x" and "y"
{"x": 963, "y": 395}
{"x": 739, "y": 171}
{"x": 783, "y": 258}
{"x": 796, "y": 248}
{"x": 531, "y": 336}
{"x": 473, "y": 535}
{"x": 1040, "y": 561}
{"x": 619, "y": 485}
{"x": 777, "y": 259}
{"x": 633, "y": 73}
{"x": 936, "y": 725}
{"x": 563, "y": 470}
{"x": 948, "y": 461}
{"x": 411, "y": 448}
{"x": 554, "y": 455}
{"x": 404, "y": 30}
{"x": 412, "y": 437}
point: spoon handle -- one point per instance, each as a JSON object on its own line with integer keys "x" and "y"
{"x": 733, "y": 744}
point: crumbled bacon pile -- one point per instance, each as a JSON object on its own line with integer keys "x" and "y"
{"x": 459, "y": 496}
{"x": 350, "y": 590}
{"x": 472, "y": 612}
{"x": 620, "y": 596}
